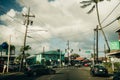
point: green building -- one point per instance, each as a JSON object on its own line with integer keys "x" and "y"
{"x": 46, "y": 58}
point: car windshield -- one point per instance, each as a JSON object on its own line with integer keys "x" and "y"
{"x": 99, "y": 66}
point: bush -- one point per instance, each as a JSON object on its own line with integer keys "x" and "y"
{"x": 108, "y": 65}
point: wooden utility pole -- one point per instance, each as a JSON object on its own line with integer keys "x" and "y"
{"x": 68, "y": 49}
{"x": 105, "y": 53}
{"x": 96, "y": 48}
{"x": 94, "y": 56}
{"x": 8, "y": 61}
{"x": 43, "y": 49}
{"x": 97, "y": 44}
{"x": 27, "y": 22}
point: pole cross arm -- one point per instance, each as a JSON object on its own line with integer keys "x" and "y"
{"x": 28, "y": 15}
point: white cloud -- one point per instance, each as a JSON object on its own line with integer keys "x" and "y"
{"x": 63, "y": 19}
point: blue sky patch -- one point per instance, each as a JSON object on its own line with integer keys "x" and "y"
{"x": 50, "y": 0}
{"x": 6, "y": 5}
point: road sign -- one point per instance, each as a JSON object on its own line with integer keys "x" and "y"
{"x": 114, "y": 45}
{"x": 88, "y": 52}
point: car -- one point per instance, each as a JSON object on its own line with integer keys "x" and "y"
{"x": 77, "y": 65}
{"x": 86, "y": 64}
{"x": 38, "y": 70}
{"x": 98, "y": 70}
{"x": 12, "y": 67}
{"x": 55, "y": 65}
{"x": 116, "y": 76}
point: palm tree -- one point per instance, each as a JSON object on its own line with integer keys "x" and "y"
{"x": 94, "y": 4}
{"x": 18, "y": 59}
{"x": 26, "y": 48}
{"x": 12, "y": 49}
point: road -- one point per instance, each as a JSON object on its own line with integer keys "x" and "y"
{"x": 70, "y": 73}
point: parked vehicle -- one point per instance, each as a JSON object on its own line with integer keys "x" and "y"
{"x": 38, "y": 70}
{"x": 98, "y": 70}
{"x": 86, "y": 64}
{"x": 12, "y": 67}
{"x": 55, "y": 65}
{"x": 116, "y": 76}
{"x": 77, "y": 65}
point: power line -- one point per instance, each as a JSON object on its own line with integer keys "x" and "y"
{"x": 110, "y": 12}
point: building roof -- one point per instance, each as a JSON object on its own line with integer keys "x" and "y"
{"x": 79, "y": 58}
{"x": 114, "y": 53}
{"x": 53, "y": 52}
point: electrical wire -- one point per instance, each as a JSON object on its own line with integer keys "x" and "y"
{"x": 110, "y": 12}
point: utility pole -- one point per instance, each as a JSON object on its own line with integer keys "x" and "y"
{"x": 96, "y": 30}
{"x": 60, "y": 58}
{"x": 105, "y": 53}
{"x": 97, "y": 44}
{"x": 94, "y": 56}
{"x": 8, "y": 61}
{"x": 68, "y": 49}
{"x": 43, "y": 49}
{"x": 27, "y": 22}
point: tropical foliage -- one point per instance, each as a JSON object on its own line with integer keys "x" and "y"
{"x": 19, "y": 58}
{"x": 25, "y": 49}
{"x": 94, "y": 4}
{"x": 74, "y": 56}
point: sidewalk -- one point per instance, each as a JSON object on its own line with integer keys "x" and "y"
{"x": 10, "y": 73}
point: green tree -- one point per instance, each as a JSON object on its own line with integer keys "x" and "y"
{"x": 18, "y": 59}
{"x": 26, "y": 48}
{"x": 12, "y": 49}
{"x": 94, "y": 4}
{"x": 74, "y": 56}
{"x": 25, "y": 55}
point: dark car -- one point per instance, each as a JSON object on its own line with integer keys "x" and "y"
{"x": 116, "y": 76}
{"x": 77, "y": 65}
{"x": 38, "y": 70}
{"x": 98, "y": 70}
{"x": 12, "y": 67}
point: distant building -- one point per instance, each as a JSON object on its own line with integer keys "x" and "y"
{"x": 47, "y": 58}
{"x": 115, "y": 52}
{"x": 4, "y": 55}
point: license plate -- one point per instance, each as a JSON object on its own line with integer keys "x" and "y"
{"x": 100, "y": 70}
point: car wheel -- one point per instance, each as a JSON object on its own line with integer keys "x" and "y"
{"x": 116, "y": 78}
{"x": 34, "y": 73}
{"x": 92, "y": 74}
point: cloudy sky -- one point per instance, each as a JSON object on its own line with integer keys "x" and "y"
{"x": 56, "y": 22}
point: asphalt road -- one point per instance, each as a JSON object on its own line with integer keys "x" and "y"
{"x": 62, "y": 74}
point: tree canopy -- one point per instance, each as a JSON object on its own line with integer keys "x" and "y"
{"x": 74, "y": 56}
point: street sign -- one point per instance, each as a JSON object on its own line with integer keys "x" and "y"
{"x": 88, "y": 52}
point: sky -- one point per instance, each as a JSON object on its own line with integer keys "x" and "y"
{"x": 56, "y": 22}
